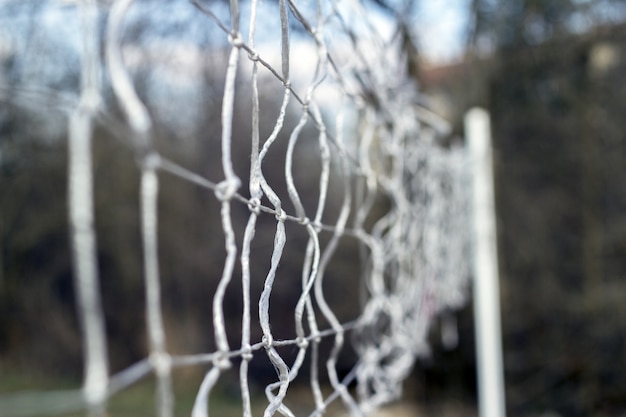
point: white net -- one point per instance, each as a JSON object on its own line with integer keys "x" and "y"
{"x": 385, "y": 182}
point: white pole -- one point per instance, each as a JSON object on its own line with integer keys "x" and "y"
{"x": 486, "y": 287}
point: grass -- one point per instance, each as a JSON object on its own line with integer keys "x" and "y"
{"x": 29, "y": 394}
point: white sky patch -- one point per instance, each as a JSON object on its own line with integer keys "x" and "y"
{"x": 441, "y": 26}
{"x": 174, "y": 39}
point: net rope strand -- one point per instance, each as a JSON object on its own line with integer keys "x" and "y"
{"x": 81, "y": 213}
{"x": 255, "y": 197}
{"x": 140, "y": 123}
{"x": 375, "y": 142}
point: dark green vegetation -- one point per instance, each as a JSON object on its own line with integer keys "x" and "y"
{"x": 561, "y": 145}
{"x": 557, "y": 104}
{"x": 137, "y": 400}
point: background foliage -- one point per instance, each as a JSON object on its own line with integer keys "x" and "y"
{"x": 551, "y": 73}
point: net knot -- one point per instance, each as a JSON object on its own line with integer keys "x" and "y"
{"x": 246, "y": 353}
{"x": 267, "y": 341}
{"x": 161, "y": 362}
{"x": 221, "y": 361}
{"x": 304, "y": 221}
{"x": 151, "y": 161}
{"x": 235, "y": 40}
{"x": 227, "y": 189}
{"x": 255, "y": 205}
{"x": 253, "y": 56}
{"x": 281, "y": 216}
{"x": 302, "y": 342}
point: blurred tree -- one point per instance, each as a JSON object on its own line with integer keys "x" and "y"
{"x": 510, "y": 24}
{"x": 507, "y": 24}
{"x": 555, "y": 99}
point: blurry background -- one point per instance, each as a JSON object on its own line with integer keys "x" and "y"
{"x": 550, "y": 72}
{"x": 552, "y": 75}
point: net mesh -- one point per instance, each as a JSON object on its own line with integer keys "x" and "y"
{"x": 399, "y": 193}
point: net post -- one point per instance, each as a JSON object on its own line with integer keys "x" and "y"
{"x": 486, "y": 294}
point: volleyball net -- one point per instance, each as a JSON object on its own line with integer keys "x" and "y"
{"x": 340, "y": 152}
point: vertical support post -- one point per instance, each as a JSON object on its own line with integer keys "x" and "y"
{"x": 485, "y": 270}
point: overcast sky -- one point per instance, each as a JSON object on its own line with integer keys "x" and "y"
{"x": 440, "y": 26}
{"x": 43, "y": 36}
